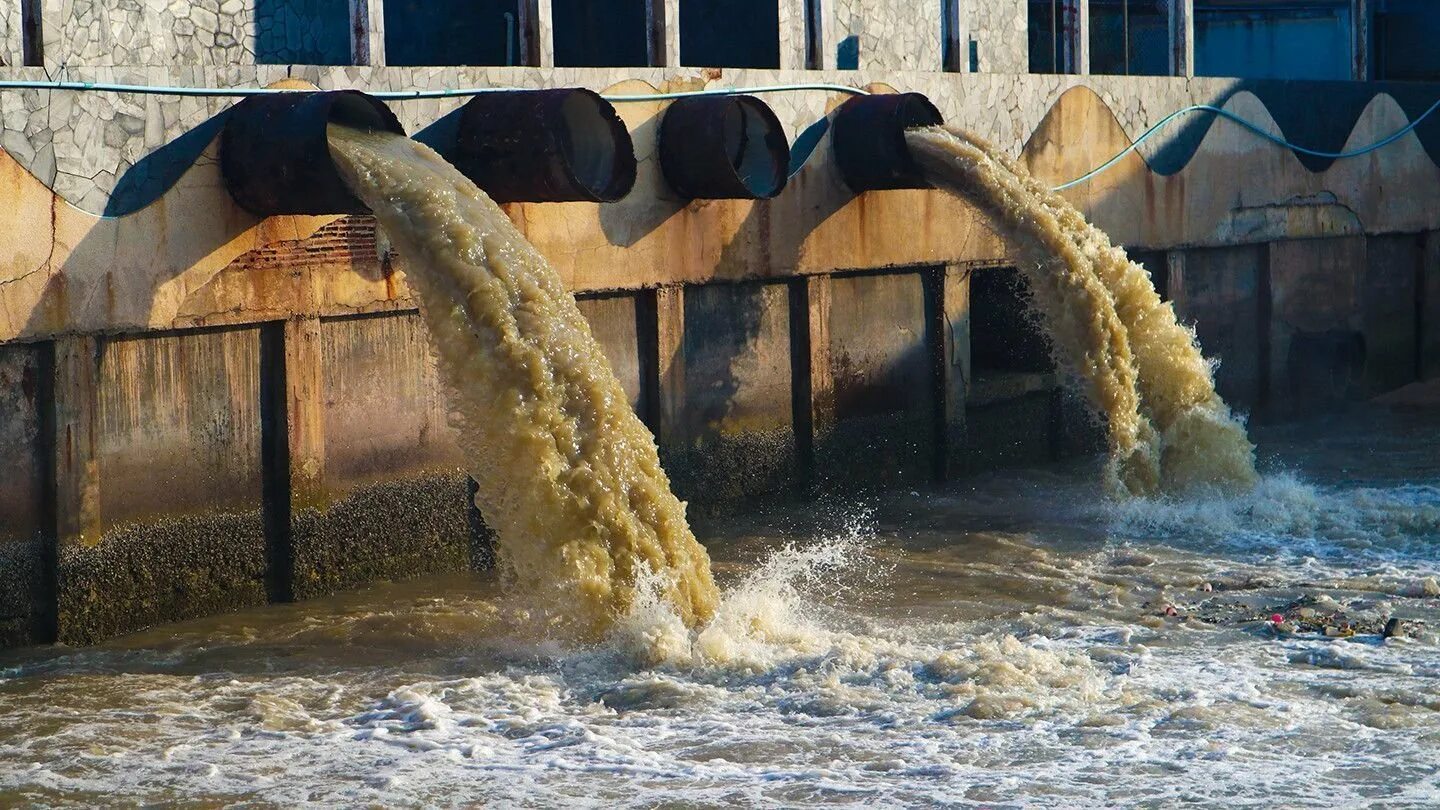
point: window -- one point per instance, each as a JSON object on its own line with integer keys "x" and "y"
{"x": 615, "y": 33}
{"x": 31, "y": 33}
{"x": 453, "y": 32}
{"x": 1130, "y": 37}
{"x": 302, "y": 32}
{"x": 730, "y": 33}
{"x": 1405, "y": 33}
{"x": 1048, "y": 31}
{"x": 1273, "y": 39}
{"x": 950, "y": 35}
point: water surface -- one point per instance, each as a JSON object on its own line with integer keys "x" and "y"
{"x": 998, "y": 641}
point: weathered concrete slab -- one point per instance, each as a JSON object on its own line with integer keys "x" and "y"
{"x": 613, "y": 322}
{"x": 1390, "y": 312}
{"x": 881, "y": 365}
{"x": 735, "y": 440}
{"x": 26, "y": 596}
{"x": 1317, "y": 340}
{"x": 176, "y": 461}
{"x": 1220, "y": 293}
{"x": 391, "y": 501}
{"x": 1429, "y": 307}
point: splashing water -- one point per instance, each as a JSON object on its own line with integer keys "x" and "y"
{"x": 1168, "y": 428}
{"x": 567, "y": 475}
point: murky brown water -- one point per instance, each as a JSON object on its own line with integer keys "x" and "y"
{"x": 1168, "y": 428}
{"x": 996, "y": 642}
{"x": 566, "y": 474}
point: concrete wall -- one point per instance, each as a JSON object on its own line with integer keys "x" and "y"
{"x": 203, "y": 410}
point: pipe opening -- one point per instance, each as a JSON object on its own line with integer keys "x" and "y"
{"x": 723, "y": 147}
{"x": 566, "y": 145}
{"x": 868, "y": 138}
{"x": 275, "y": 151}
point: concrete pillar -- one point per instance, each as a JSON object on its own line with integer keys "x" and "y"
{"x": 537, "y": 31}
{"x": 292, "y": 441}
{"x": 794, "y": 43}
{"x": 76, "y": 424}
{"x": 1182, "y": 37}
{"x": 367, "y": 27}
{"x": 665, "y": 32}
{"x": 812, "y": 389}
{"x": 305, "y": 411}
{"x": 821, "y": 383}
{"x": 670, "y": 366}
{"x": 1361, "y": 16}
{"x": 955, "y": 343}
{"x": 1076, "y": 21}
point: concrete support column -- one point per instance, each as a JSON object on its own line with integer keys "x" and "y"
{"x": 292, "y": 441}
{"x": 537, "y": 32}
{"x": 1076, "y": 21}
{"x": 669, "y": 408}
{"x": 1182, "y": 37}
{"x": 305, "y": 411}
{"x": 793, "y": 40}
{"x": 77, "y": 468}
{"x": 367, "y": 32}
{"x": 1361, "y": 16}
{"x": 822, "y": 382}
{"x": 954, "y": 325}
{"x": 1175, "y": 279}
{"x": 665, "y": 32}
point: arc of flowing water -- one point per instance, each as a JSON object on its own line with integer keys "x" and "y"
{"x": 1142, "y": 369}
{"x": 567, "y": 475}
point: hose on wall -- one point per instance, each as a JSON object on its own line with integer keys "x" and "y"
{"x": 407, "y": 95}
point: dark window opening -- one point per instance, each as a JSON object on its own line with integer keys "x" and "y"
{"x": 1129, "y": 37}
{"x": 950, "y": 36}
{"x": 32, "y": 34}
{"x": 730, "y": 33}
{"x": 1273, "y": 39}
{"x": 1047, "y": 36}
{"x": 814, "y": 41}
{"x": 615, "y": 33}
{"x": 303, "y": 32}
{"x": 1405, "y": 33}
{"x": 453, "y": 32}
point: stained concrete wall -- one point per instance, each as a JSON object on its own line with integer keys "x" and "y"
{"x": 819, "y": 339}
{"x": 390, "y": 498}
{"x": 24, "y": 524}
{"x": 158, "y": 472}
{"x": 729, "y": 428}
{"x": 1221, "y": 293}
{"x": 881, "y": 425}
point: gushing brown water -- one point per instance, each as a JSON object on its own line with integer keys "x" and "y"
{"x": 568, "y": 477}
{"x": 1143, "y": 370}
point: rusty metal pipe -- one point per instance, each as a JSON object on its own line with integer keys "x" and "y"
{"x": 868, "y": 139}
{"x": 723, "y": 147}
{"x": 275, "y": 153}
{"x": 544, "y": 146}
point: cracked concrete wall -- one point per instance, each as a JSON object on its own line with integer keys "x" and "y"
{"x": 881, "y": 35}
{"x": 90, "y": 147}
{"x": 999, "y": 29}
{"x": 218, "y": 33}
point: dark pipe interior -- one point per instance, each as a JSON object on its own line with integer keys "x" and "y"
{"x": 544, "y": 146}
{"x": 868, "y": 138}
{"x": 723, "y": 147}
{"x": 275, "y": 151}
